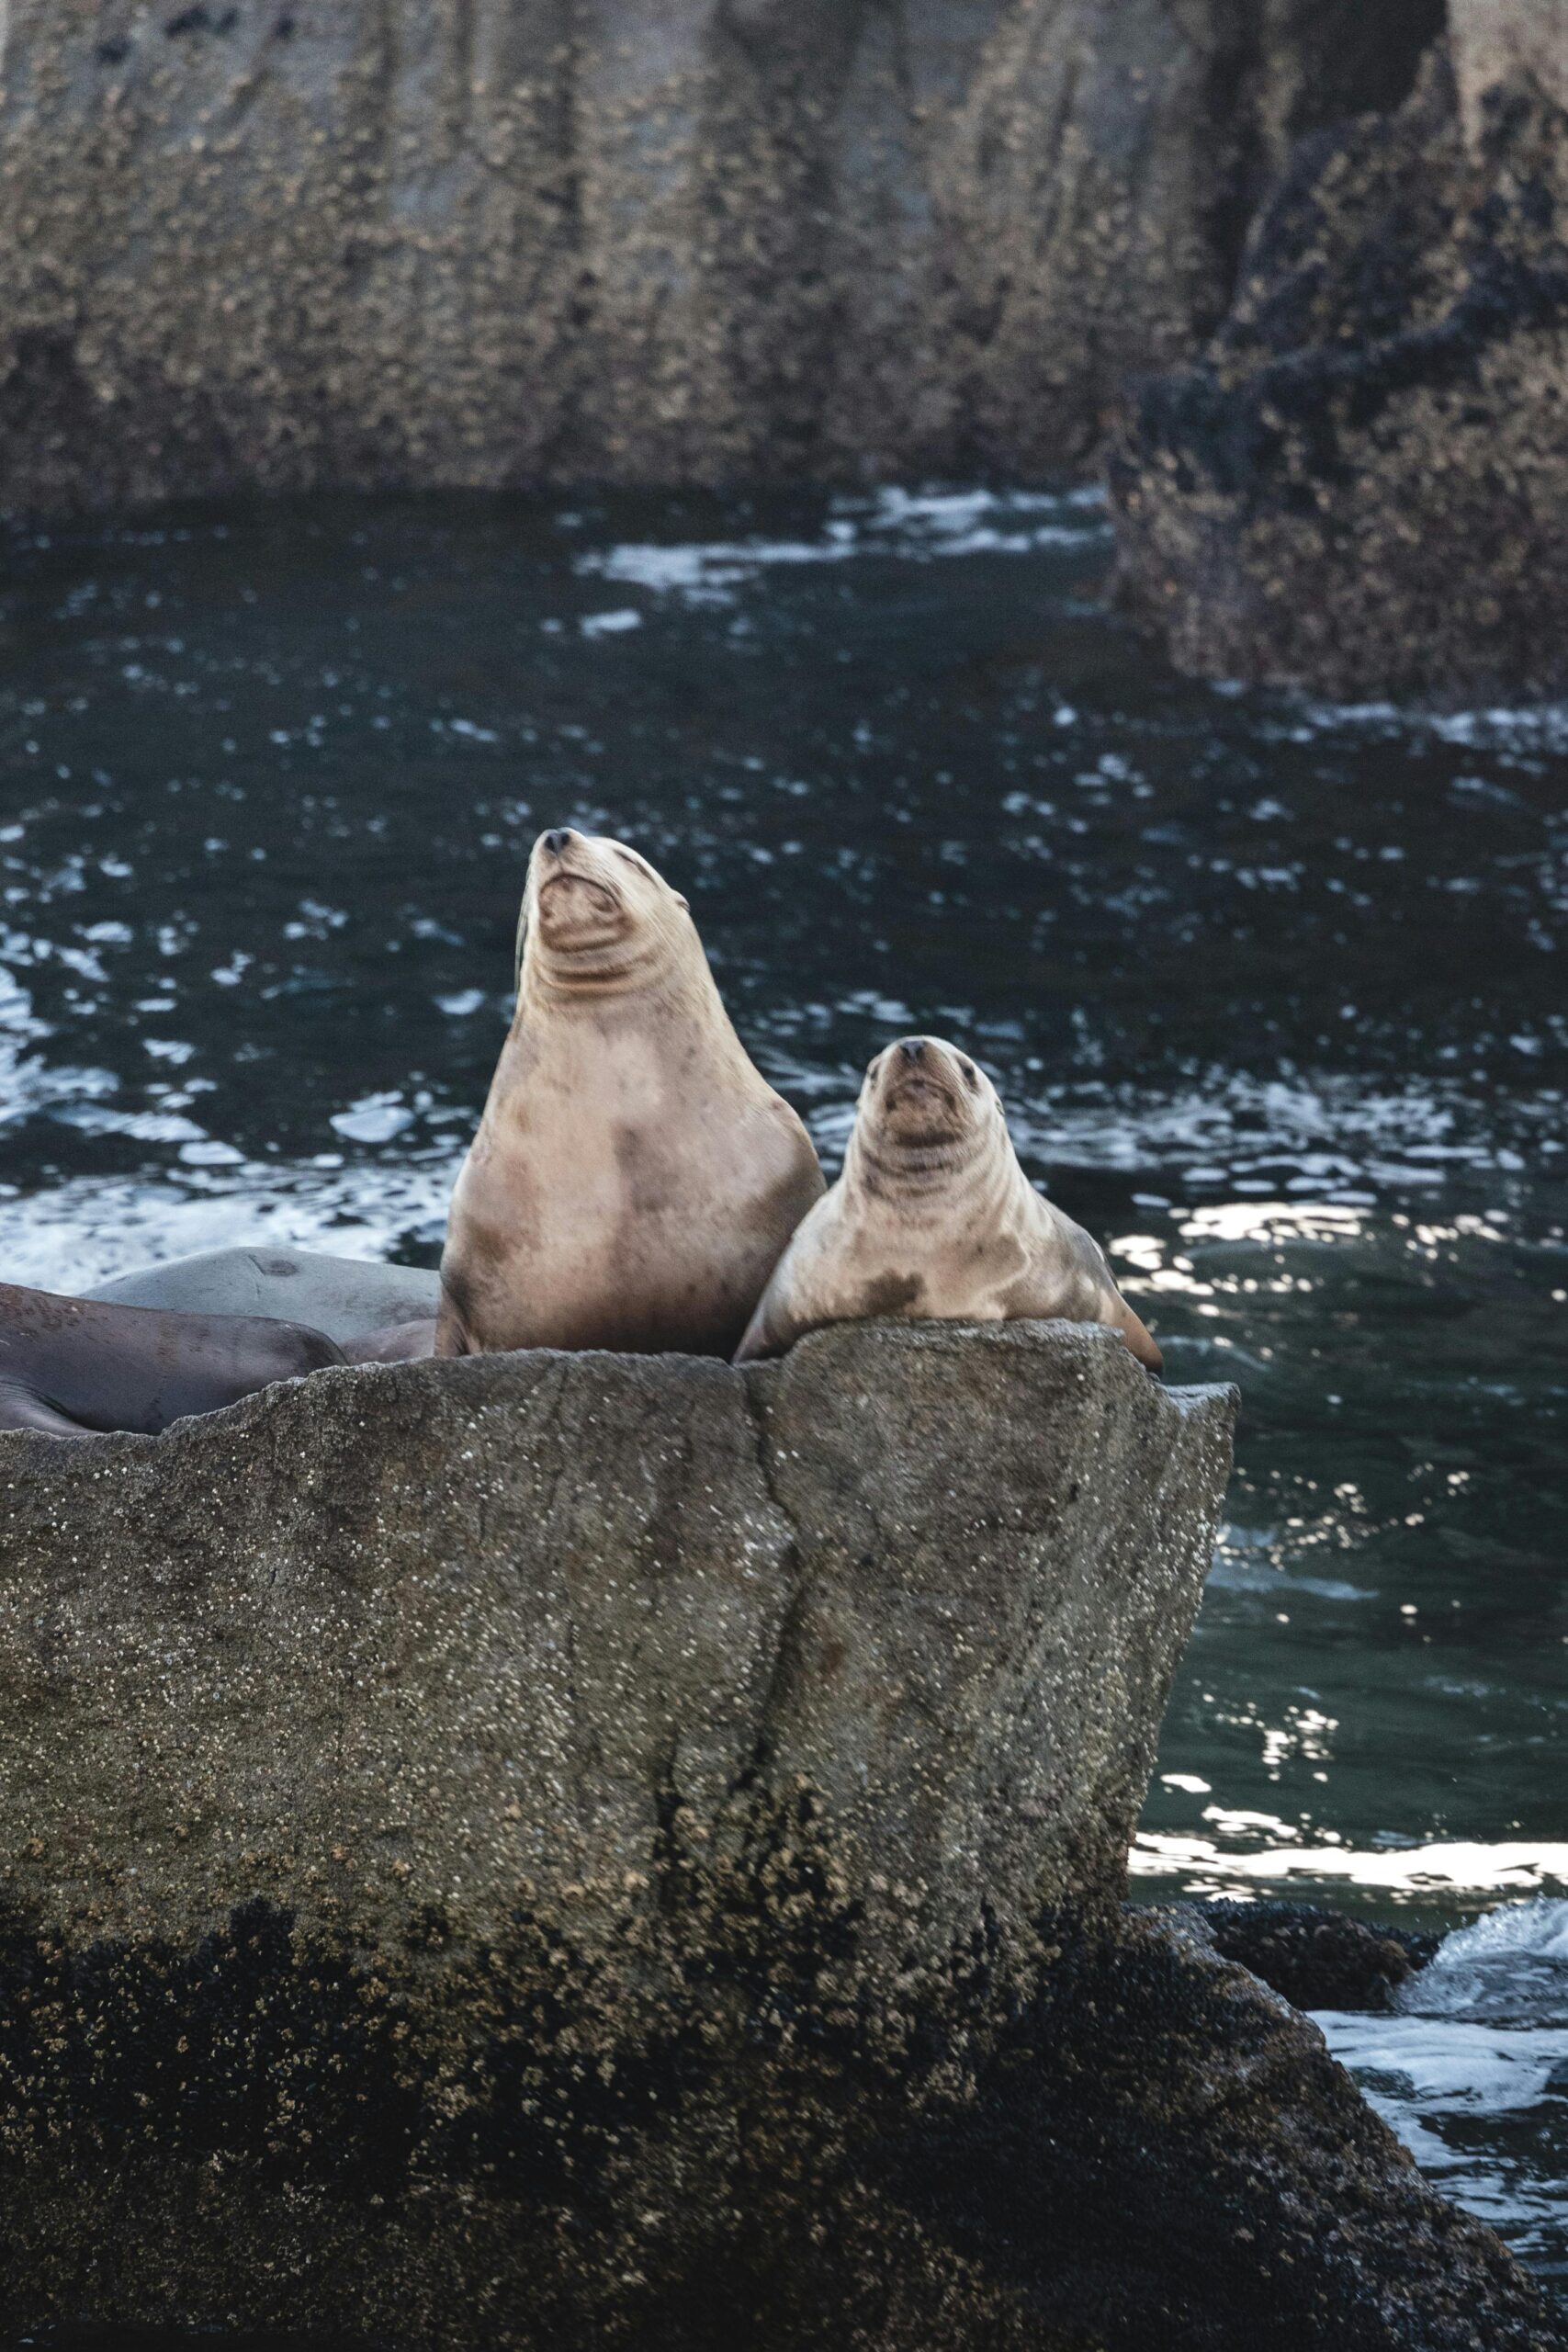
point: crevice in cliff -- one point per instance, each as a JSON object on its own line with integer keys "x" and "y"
{"x": 753, "y": 1385}
{"x": 1280, "y": 74}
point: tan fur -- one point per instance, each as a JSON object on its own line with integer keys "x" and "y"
{"x": 633, "y": 1178}
{"x": 933, "y": 1217}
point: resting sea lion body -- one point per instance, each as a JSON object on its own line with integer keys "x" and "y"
{"x": 374, "y": 1313}
{"x": 633, "y": 1178}
{"x": 933, "y": 1217}
{"x": 71, "y": 1365}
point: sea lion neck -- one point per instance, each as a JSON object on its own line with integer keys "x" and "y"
{"x": 640, "y": 974}
{"x": 669, "y": 1015}
{"x": 884, "y": 1167}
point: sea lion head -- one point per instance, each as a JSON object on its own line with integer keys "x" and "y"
{"x": 596, "y": 916}
{"x": 925, "y": 1108}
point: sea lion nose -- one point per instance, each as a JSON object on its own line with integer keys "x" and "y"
{"x": 912, "y": 1048}
{"x": 558, "y": 840}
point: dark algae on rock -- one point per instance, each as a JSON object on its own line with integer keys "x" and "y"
{"x": 1358, "y": 487}
{"x": 1161, "y": 2151}
{"x": 1153, "y": 2142}
{"x": 1317, "y": 1958}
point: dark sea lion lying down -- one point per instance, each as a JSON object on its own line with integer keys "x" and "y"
{"x": 74, "y": 1366}
{"x": 375, "y": 1314}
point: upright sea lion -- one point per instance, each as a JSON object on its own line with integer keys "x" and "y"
{"x": 633, "y": 1178}
{"x": 933, "y": 1217}
{"x": 74, "y": 1366}
{"x": 374, "y": 1313}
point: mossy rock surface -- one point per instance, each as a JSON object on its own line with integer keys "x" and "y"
{"x": 1359, "y": 488}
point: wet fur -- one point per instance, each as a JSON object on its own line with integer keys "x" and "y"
{"x": 72, "y": 1366}
{"x": 375, "y": 1314}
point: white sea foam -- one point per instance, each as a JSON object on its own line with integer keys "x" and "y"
{"x": 1336, "y": 1132}
{"x": 1453, "y": 2068}
{"x": 1441, "y": 1870}
{"x": 919, "y": 527}
{"x": 614, "y": 624}
{"x": 1511, "y": 1966}
{"x": 29, "y": 1083}
{"x": 81, "y": 1233}
{"x": 1481, "y": 2039}
{"x": 375, "y": 1118}
{"x": 1529, "y": 727}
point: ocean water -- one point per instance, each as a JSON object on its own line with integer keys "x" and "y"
{"x": 1274, "y": 993}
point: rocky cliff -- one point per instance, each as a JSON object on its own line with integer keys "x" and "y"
{"x": 1360, "y": 487}
{"x": 273, "y": 244}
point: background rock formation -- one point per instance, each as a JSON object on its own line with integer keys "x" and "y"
{"x": 270, "y": 244}
{"x": 1360, "y": 487}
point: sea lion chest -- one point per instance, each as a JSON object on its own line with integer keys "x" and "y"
{"x": 940, "y": 1258}
{"x": 624, "y": 1192}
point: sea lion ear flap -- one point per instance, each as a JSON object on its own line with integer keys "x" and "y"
{"x": 684, "y": 904}
{"x": 522, "y": 942}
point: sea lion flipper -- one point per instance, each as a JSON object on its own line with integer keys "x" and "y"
{"x": 451, "y": 1333}
{"x": 755, "y": 1341}
{"x": 1141, "y": 1340}
{"x": 408, "y": 1342}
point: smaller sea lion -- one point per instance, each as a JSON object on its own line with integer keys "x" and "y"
{"x": 635, "y": 1177}
{"x": 72, "y": 1366}
{"x": 934, "y": 1217}
{"x": 374, "y": 1313}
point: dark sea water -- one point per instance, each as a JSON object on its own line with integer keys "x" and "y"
{"x": 1275, "y": 995}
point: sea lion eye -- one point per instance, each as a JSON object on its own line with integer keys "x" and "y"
{"x": 971, "y": 1075}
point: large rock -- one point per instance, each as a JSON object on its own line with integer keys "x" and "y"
{"x": 1361, "y": 489}
{"x": 463, "y": 1825}
{"x": 587, "y": 1852}
{"x": 253, "y": 243}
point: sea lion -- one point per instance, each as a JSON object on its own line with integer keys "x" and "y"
{"x": 75, "y": 1365}
{"x": 375, "y": 1314}
{"x": 633, "y": 1178}
{"x": 933, "y": 1217}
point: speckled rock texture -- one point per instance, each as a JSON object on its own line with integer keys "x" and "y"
{"x": 1499, "y": 42}
{"x": 276, "y": 243}
{"x": 548, "y": 1852}
{"x": 505, "y": 1785}
{"x": 1361, "y": 488}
